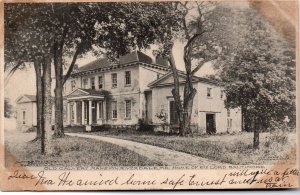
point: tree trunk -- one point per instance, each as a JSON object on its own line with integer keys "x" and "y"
{"x": 47, "y": 106}
{"x": 39, "y": 97}
{"x": 188, "y": 108}
{"x": 256, "y": 136}
{"x": 58, "y": 131}
{"x": 176, "y": 94}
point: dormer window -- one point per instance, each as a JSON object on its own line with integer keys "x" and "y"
{"x": 93, "y": 83}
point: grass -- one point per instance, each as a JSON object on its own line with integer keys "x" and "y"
{"x": 72, "y": 151}
{"x": 229, "y": 148}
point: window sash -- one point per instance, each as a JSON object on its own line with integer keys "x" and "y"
{"x": 209, "y": 92}
{"x": 114, "y": 79}
{"x": 127, "y": 78}
{"x": 100, "y": 82}
{"x": 127, "y": 109}
{"x": 114, "y": 110}
{"x": 24, "y": 114}
{"x": 228, "y": 113}
{"x": 73, "y": 85}
{"x": 85, "y": 83}
{"x": 93, "y": 83}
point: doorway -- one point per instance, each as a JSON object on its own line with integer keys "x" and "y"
{"x": 210, "y": 123}
{"x": 94, "y": 112}
{"x": 174, "y": 119}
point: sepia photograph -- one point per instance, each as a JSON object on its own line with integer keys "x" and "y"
{"x": 149, "y": 95}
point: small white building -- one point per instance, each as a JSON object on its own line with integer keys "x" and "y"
{"x": 26, "y": 112}
{"x": 209, "y": 114}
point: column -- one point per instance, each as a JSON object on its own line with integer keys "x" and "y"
{"x": 75, "y": 112}
{"x": 104, "y": 114}
{"x": 90, "y": 112}
{"x": 68, "y": 114}
{"x": 97, "y": 107}
{"x": 82, "y": 113}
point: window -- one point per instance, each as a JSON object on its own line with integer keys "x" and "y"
{"x": 209, "y": 92}
{"x": 114, "y": 80}
{"x": 85, "y": 83}
{"x": 24, "y": 115}
{"x": 128, "y": 109}
{"x": 73, "y": 85}
{"x": 228, "y": 112}
{"x": 93, "y": 83}
{"x": 100, "y": 82}
{"x": 127, "y": 78}
{"x": 229, "y": 124}
{"x": 222, "y": 94}
{"x": 114, "y": 110}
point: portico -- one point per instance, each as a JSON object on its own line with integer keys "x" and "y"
{"x": 86, "y": 107}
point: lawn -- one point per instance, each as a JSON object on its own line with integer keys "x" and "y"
{"x": 71, "y": 151}
{"x": 229, "y": 148}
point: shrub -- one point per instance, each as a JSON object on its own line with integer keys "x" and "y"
{"x": 144, "y": 126}
{"x": 31, "y": 129}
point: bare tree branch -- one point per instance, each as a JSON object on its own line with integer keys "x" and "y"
{"x": 77, "y": 52}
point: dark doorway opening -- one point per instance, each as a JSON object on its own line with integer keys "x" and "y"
{"x": 210, "y": 123}
{"x": 94, "y": 112}
{"x": 174, "y": 119}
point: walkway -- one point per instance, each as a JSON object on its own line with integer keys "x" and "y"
{"x": 166, "y": 156}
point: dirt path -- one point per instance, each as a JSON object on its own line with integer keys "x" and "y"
{"x": 166, "y": 156}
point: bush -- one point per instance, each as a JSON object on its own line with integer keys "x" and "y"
{"x": 31, "y": 129}
{"x": 144, "y": 126}
{"x": 104, "y": 127}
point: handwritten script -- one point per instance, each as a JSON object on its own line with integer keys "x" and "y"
{"x": 268, "y": 178}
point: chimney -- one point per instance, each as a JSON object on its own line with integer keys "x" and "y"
{"x": 162, "y": 61}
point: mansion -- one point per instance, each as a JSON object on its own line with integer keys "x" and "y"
{"x": 120, "y": 94}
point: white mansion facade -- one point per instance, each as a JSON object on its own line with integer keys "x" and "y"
{"x": 135, "y": 88}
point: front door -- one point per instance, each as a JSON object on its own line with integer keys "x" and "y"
{"x": 94, "y": 112}
{"x": 174, "y": 119}
{"x": 210, "y": 123}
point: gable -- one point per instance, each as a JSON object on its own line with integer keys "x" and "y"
{"x": 168, "y": 79}
{"x": 77, "y": 92}
{"x": 24, "y": 99}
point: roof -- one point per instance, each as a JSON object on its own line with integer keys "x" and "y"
{"x": 129, "y": 59}
{"x": 31, "y": 97}
{"x": 93, "y": 91}
{"x": 26, "y": 98}
{"x": 86, "y": 94}
{"x": 166, "y": 80}
{"x": 99, "y": 63}
{"x": 135, "y": 56}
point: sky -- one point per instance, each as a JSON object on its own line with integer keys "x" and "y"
{"x": 23, "y": 81}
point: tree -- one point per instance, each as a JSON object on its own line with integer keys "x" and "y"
{"x": 30, "y": 40}
{"x": 258, "y": 75}
{"x": 197, "y": 52}
{"x": 7, "y": 108}
{"x": 115, "y": 27}
{"x": 54, "y": 31}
